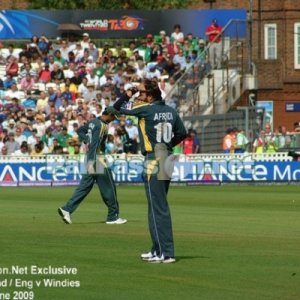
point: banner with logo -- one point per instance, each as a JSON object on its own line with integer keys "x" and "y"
{"x": 68, "y": 172}
{"x": 23, "y": 24}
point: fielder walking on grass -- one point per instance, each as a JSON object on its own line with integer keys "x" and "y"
{"x": 94, "y": 134}
{"x": 160, "y": 129}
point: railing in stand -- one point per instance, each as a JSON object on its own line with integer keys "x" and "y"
{"x": 186, "y": 92}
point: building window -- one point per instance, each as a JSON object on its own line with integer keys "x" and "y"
{"x": 270, "y": 41}
{"x": 297, "y": 45}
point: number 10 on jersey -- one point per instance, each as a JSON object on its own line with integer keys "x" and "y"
{"x": 163, "y": 132}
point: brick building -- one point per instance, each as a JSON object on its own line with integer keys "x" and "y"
{"x": 13, "y": 4}
{"x": 275, "y": 50}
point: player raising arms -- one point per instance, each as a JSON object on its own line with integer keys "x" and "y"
{"x": 160, "y": 129}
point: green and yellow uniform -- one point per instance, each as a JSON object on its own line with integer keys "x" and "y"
{"x": 160, "y": 129}
{"x": 94, "y": 134}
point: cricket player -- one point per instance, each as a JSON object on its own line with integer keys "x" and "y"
{"x": 160, "y": 129}
{"x": 94, "y": 134}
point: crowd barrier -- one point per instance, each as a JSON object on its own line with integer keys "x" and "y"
{"x": 58, "y": 170}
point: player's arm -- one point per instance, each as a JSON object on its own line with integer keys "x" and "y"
{"x": 125, "y": 98}
{"x": 83, "y": 133}
{"x": 95, "y": 135}
{"x": 120, "y": 102}
{"x": 139, "y": 112}
{"x": 179, "y": 132}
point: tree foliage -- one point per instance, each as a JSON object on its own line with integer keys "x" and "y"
{"x": 110, "y": 4}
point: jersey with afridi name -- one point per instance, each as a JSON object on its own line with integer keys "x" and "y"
{"x": 94, "y": 134}
{"x": 158, "y": 123}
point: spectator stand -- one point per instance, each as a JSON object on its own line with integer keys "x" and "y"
{"x": 204, "y": 90}
{"x": 152, "y": 57}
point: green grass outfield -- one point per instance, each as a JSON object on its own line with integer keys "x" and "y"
{"x": 232, "y": 242}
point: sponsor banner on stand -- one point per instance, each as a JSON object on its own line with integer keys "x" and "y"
{"x": 23, "y": 24}
{"x": 196, "y": 172}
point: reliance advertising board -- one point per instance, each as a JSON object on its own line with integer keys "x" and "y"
{"x": 69, "y": 172}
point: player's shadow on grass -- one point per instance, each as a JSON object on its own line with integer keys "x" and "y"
{"x": 88, "y": 223}
{"x": 101, "y": 222}
{"x": 184, "y": 257}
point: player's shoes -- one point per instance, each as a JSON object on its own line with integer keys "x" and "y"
{"x": 147, "y": 256}
{"x": 162, "y": 259}
{"x": 169, "y": 260}
{"x": 156, "y": 259}
{"x": 66, "y": 217}
{"x": 117, "y": 221}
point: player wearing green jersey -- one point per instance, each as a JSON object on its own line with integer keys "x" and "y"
{"x": 94, "y": 134}
{"x": 160, "y": 129}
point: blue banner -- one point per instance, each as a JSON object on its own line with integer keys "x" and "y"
{"x": 292, "y": 107}
{"x": 23, "y": 24}
{"x": 69, "y": 172}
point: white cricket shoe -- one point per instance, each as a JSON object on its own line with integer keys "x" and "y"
{"x": 169, "y": 260}
{"x": 162, "y": 259}
{"x": 156, "y": 259}
{"x": 66, "y": 217}
{"x": 118, "y": 221}
{"x": 147, "y": 256}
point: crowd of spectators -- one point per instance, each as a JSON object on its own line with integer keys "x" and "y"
{"x": 266, "y": 141}
{"x": 280, "y": 139}
{"x": 50, "y": 88}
